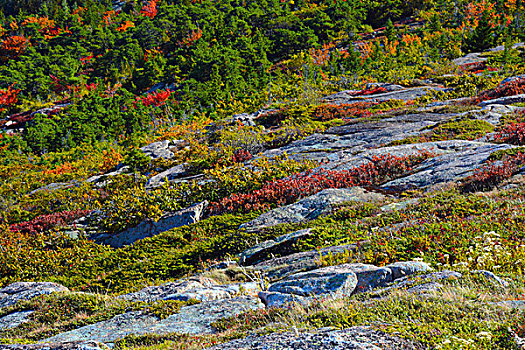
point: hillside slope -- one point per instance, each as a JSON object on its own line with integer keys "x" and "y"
{"x": 256, "y": 175}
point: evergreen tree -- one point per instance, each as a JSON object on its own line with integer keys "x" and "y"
{"x": 482, "y": 37}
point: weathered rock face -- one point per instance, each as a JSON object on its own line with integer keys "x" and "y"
{"x": 507, "y": 100}
{"x": 194, "y": 319}
{"x": 491, "y": 277}
{"x": 448, "y": 167}
{"x": 421, "y": 285}
{"x": 103, "y": 180}
{"x": 161, "y": 149}
{"x": 27, "y": 290}
{"x": 280, "y": 245}
{"x": 355, "y": 338}
{"x": 311, "y": 207}
{"x": 199, "y": 288}
{"x": 473, "y": 57}
{"x": 14, "y": 320}
{"x": 169, "y": 175}
{"x": 150, "y": 228}
{"x": 405, "y": 95}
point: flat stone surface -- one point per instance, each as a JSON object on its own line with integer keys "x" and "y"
{"x": 89, "y": 345}
{"x": 280, "y": 245}
{"x": 14, "y": 320}
{"x": 354, "y": 338}
{"x": 448, "y": 167}
{"x": 14, "y": 292}
{"x": 150, "y": 228}
{"x": 507, "y": 100}
{"x": 194, "y": 319}
{"x": 311, "y": 207}
{"x": 161, "y": 149}
{"x": 102, "y": 180}
{"x": 473, "y": 57}
{"x": 513, "y": 304}
{"x": 341, "y": 142}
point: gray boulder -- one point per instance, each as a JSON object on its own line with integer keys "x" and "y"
{"x": 150, "y": 228}
{"x": 27, "y": 290}
{"x": 161, "y": 292}
{"x": 491, "y": 277}
{"x": 311, "y": 207}
{"x": 176, "y": 172}
{"x": 104, "y": 179}
{"x": 368, "y": 276}
{"x": 345, "y": 142}
{"x": 421, "y": 284}
{"x": 473, "y": 57}
{"x": 198, "y": 288}
{"x": 406, "y": 268}
{"x": 280, "y": 245}
{"x": 161, "y": 149}
{"x": 333, "y": 280}
{"x": 194, "y": 319}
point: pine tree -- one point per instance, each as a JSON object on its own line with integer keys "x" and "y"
{"x": 482, "y": 38}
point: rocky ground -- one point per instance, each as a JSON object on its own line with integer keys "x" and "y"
{"x": 279, "y": 276}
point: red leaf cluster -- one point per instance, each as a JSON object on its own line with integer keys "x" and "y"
{"x": 285, "y": 191}
{"x": 8, "y": 97}
{"x": 47, "y": 222}
{"x": 156, "y": 98}
{"x": 14, "y": 46}
{"x": 149, "y": 9}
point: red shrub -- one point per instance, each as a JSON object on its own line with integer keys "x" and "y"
{"x": 156, "y": 98}
{"x": 377, "y": 90}
{"x": 47, "y": 222}
{"x": 288, "y": 190}
{"x": 513, "y": 134}
{"x": 343, "y": 111}
{"x": 488, "y": 176}
{"x": 510, "y": 88}
{"x": 241, "y": 155}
